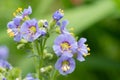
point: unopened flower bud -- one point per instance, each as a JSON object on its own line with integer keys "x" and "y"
{"x": 46, "y": 69}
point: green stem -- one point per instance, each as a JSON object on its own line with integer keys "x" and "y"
{"x": 38, "y": 48}
{"x": 54, "y": 75}
{"x": 38, "y": 65}
{"x": 40, "y": 45}
{"x": 34, "y": 58}
{"x": 41, "y": 58}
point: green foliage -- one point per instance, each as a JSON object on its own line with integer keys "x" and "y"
{"x": 97, "y": 21}
{"x": 13, "y": 74}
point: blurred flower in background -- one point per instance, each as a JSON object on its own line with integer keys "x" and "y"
{"x": 76, "y": 2}
{"x": 4, "y": 52}
{"x": 3, "y": 58}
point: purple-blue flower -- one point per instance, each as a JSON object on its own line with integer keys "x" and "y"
{"x": 22, "y": 14}
{"x": 30, "y": 77}
{"x": 58, "y": 15}
{"x": 30, "y": 30}
{"x": 15, "y": 25}
{"x": 65, "y": 44}
{"x": 3, "y": 78}
{"x": 63, "y": 27}
{"x": 5, "y": 64}
{"x": 82, "y": 49}
{"x": 27, "y": 12}
{"x": 65, "y": 65}
{"x": 3, "y": 52}
{"x": 14, "y": 29}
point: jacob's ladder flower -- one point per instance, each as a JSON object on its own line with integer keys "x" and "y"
{"x": 3, "y": 52}
{"x": 14, "y": 29}
{"x": 65, "y": 44}
{"x": 30, "y": 30}
{"x": 82, "y": 49}
{"x": 58, "y": 15}
{"x": 65, "y": 65}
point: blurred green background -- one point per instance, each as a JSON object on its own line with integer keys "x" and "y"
{"x": 97, "y": 20}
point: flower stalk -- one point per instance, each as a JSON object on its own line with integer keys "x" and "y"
{"x": 27, "y": 31}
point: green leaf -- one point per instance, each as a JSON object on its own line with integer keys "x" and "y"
{"x": 13, "y": 74}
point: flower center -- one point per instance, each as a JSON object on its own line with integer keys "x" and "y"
{"x": 65, "y": 46}
{"x": 32, "y": 29}
{"x": 65, "y": 66}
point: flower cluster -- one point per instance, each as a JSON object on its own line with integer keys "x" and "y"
{"x": 35, "y": 33}
{"x": 65, "y": 47}
{"x": 6, "y": 70}
{"x": 22, "y": 27}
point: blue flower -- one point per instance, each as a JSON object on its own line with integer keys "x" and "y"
{"x": 65, "y": 65}
{"x": 63, "y": 27}
{"x": 30, "y": 30}
{"x": 22, "y": 14}
{"x": 5, "y": 64}
{"x": 3, "y": 52}
{"x": 43, "y": 32}
{"x": 15, "y": 25}
{"x": 14, "y": 29}
{"x": 82, "y": 49}
{"x": 58, "y": 15}
{"x": 27, "y": 12}
{"x": 3, "y": 78}
{"x": 30, "y": 77}
{"x": 65, "y": 44}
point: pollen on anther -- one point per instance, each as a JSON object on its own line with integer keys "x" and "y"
{"x": 88, "y": 49}
{"x": 61, "y": 10}
{"x": 71, "y": 29}
{"x": 86, "y": 44}
{"x": 72, "y": 34}
{"x": 86, "y": 54}
{"x": 20, "y": 9}
{"x": 14, "y": 14}
{"x": 10, "y": 33}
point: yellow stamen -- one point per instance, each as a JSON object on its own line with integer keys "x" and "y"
{"x": 65, "y": 46}
{"x": 20, "y": 9}
{"x": 61, "y": 11}
{"x": 72, "y": 34}
{"x": 10, "y": 33}
{"x": 17, "y": 10}
{"x": 71, "y": 29}
{"x": 9, "y": 30}
{"x": 65, "y": 66}
{"x": 26, "y": 18}
{"x": 88, "y": 48}
{"x": 14, "y": 14}
{"x": 33, "y": 29}
{"x": 86, "y": 44}
{"x": 86, "y": 54}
